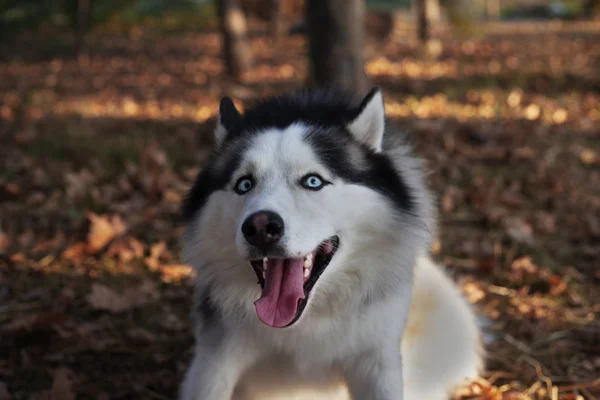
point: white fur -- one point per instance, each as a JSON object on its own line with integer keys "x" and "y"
{"x": 369, "y": 125}
{"x": 220, "y": 132}
{"x": 347, "y": 341}
{"x": 440, "y": 349}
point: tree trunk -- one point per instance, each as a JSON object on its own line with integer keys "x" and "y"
{"x": 276, "y": 21}
{"x": 83, "y": 17}
{"x": 434, "y": 12}
{"x": 422, "y": 21}
{"x": 236, "y": 51}
{"x": 336, "y": 37}
{"x": 591, "y": 8}
{"x": 492, "y": 10}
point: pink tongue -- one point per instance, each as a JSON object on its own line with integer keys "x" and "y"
{"x": 284, "y": 286}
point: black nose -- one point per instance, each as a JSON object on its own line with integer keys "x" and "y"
{"x": 263, "y": 229}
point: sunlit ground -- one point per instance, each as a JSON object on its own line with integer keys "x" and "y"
{"x": 97, "y": 153}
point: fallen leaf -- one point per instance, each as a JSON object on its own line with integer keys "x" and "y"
{"x": 40, "y": 322}
{"x": 172, "y": 323}
{"x": 473, "y": 292}
{"x": 436, "y": 247}
{"x": 76, "y": 252}
{"x": 36, "y": 199}
{"x": 175, "y": 272}
{"x": 26, "y": 239}
{"x": 588, "y": 157}
{"x": 532, "y": 112}
{"x": 126, "y": 249}
{"x": 519, "y": 230}
{"x": 48, "y": 245}
{"x": 173, "y": 196}
{"x": 12, "y": 188}
{"x": 104, "y": 298}
{"x": 156, "y": 250}
{"x": 136, "y": 247}
{"x": 153, "y": 157}
{"x": 4, "y": 242}
{"x": 17, "y": 258}
{"x": 4, "y": 395}
{"x": 141, "y": 335}
{"x": 545, "y": 222}
{"x": 514, "y": 99}
{"x": 103, "y": 229}
{"x": 79, "y": 183}
{"x": 560, "y": 116}
{"x": 449, "y": 199}
{"x": 62, "y": 386}
{"x": 557, "y": 284}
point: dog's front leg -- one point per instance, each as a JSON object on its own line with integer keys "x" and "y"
{"x": 216, "y": 368}
{"x": 375, "y": 377}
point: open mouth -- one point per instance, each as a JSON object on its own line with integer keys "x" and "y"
{"x": 287, "y": 282}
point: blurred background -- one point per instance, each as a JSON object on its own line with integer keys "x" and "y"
{"x": 106, "y": 115}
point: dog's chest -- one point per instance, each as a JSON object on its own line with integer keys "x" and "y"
{"x": 315, "y": 347}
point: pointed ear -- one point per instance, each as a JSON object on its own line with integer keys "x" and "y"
{"x": 228, "y": 117}
{"x": 368, "y": 126}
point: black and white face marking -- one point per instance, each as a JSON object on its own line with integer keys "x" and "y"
{"x": 313, "y": 159}
{"x": 344, "y": 126}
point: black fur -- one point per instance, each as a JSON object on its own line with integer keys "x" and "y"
{"x": 367, "y": 100}
{"x": 378, "y": 173}
{"x": 229, "y": 115}
{"x": 205, "y": 309}
{"x": 321, "y": 107}
{"x": 212, "y": 178}
{"x": 208, "y": 320}
{"x": 328, "y": 111}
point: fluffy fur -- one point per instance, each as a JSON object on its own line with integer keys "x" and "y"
{"x": 382, "y": 322}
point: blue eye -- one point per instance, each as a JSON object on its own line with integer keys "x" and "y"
{"x": 313, "y": 182}
{"x": 244, "y": 184}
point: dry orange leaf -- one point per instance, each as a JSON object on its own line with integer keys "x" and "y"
{"x": 4, "y": 242}
{"x": 75, "y": 252}
{"x": 156, "y": 250}
{"x": 103, "y": 229}
{"x": 588, "y": 157}
{"x": 126, "y": 249}
{"x": 175, "y": 272}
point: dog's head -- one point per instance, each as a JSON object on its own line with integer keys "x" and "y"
{"x": 301, "y": 208}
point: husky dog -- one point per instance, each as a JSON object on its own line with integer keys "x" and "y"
{"x": 309, "y": 238}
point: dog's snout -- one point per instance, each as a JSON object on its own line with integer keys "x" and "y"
{"x": 263, "y": 229}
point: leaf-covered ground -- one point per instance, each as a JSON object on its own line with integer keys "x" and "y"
{"x": 96, "y": 154}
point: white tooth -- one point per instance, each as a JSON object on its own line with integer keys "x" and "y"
{"x": 264, "y": 275}
{"x": 308, "y": 262}
{"x": 265, "y": 261}
{"x": 306, "y": 272}
{"x": 309, "y": 257}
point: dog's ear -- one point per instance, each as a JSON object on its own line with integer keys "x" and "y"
{"x": 368, "y": 126}
{"x": 228, "y": 118}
